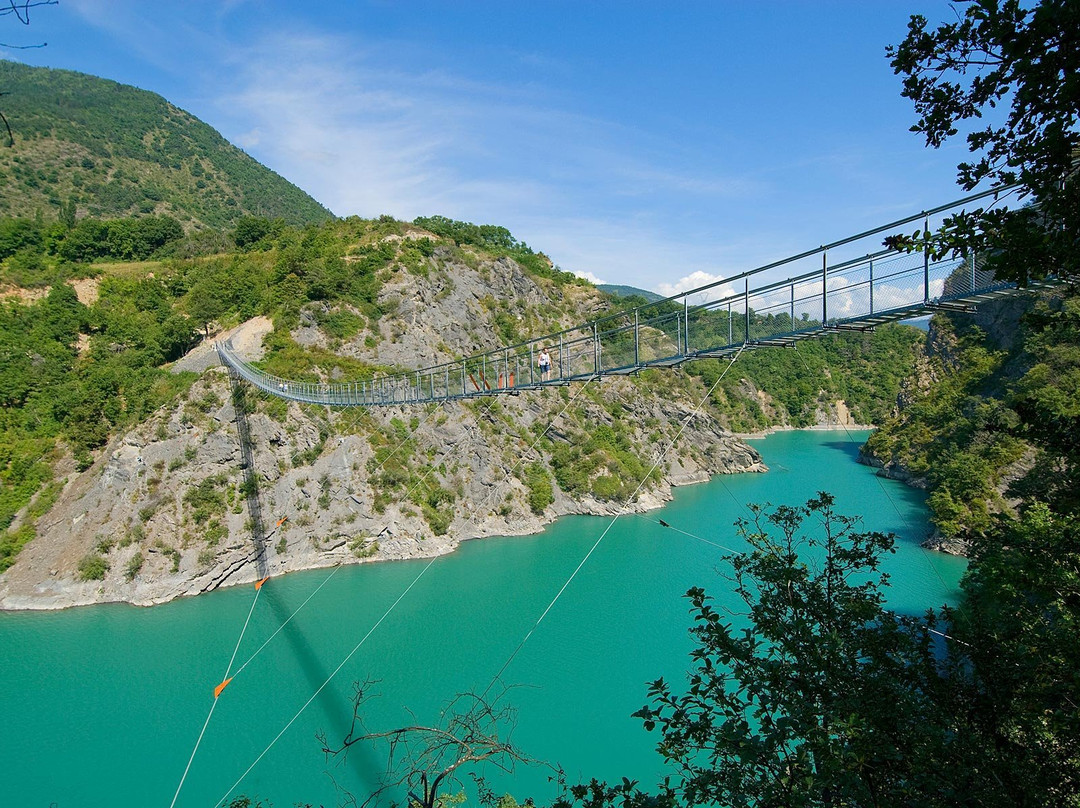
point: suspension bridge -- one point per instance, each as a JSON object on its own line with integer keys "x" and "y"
{"x": 741, "y": 313}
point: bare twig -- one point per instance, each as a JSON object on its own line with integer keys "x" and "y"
{"x": 425, "y": 760}
{"x": 22, "y": 10}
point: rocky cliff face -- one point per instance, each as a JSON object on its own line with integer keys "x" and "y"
{"x": 457, "y": 304}
{"x": 164, "y": 511}
{"x": 164, "y": 506}
{"x": 828, "y": 413}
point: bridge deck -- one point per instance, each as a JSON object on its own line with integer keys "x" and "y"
{"x": 713, "y": 321}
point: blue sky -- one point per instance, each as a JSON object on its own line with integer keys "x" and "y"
{"x": 661, "y": 144}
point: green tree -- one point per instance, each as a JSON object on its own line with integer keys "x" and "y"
{"x": 204, "y": 304}
{"x": 1024, "y": 57}
{"x": 251, "y": 230}
{"x": 1020, "y": 626}
{"x": 539, "y": 483}
{"x": 1045, "y": 399}
{"x": 17, "y": 235}
{"x": 816, "y": 694}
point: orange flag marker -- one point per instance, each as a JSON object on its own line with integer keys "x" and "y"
{"x": 258, "y": 584}
{"x": 281, "y": 521}
{"x": 219, "y": 688}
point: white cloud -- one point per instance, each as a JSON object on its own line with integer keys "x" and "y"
{"x": 696, "y": 280}
{"x": 590, "y": 277}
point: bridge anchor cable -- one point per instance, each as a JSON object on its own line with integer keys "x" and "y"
{"x": 660, "y": 458}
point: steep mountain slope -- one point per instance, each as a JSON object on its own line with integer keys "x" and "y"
{"x": 115, "y": 150}
{"x": 162, "y": 510}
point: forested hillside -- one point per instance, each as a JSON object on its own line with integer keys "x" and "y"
{"x": 994, "y": 424}
{"x": 629, "y": 291}
{"x": 86, "y": 146}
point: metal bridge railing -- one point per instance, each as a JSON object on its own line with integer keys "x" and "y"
{"x": 842, "y": 291}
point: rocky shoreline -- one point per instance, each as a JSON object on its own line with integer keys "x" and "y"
{"x": 137, "y": 508}
{"x": 138, "y": 495}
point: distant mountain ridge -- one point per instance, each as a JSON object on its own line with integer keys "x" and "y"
{"x": 628, "y": 291}
{"x": 115, "y": 150}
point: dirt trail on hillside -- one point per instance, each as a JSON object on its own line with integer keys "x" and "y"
{"x": 246, "y": 338}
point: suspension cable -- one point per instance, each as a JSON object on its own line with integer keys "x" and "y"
{"x": 217, "y": 692}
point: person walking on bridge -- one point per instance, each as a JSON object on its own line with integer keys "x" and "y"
{"x": 544, "y": 361}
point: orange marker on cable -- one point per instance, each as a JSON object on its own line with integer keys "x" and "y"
{"x": 258, "y": 584}
{"x": 222, "y": 686}
{"x": 281, "y": 521}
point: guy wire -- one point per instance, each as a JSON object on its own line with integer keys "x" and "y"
{"x": 377, "y": 624}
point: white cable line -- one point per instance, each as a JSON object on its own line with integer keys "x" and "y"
{"x": 629, "y": 499}
{"x": 656, "y": 521}
{"x": 948, "y": 637}
{"x": 187, "y": 768}
{"x": 258, "y": 591}
{"x": 280, "y": 628}
{"x": 206, "y": 723}
{"x": 727, "y": 490}
{"x": 692, "y": 535}
{"x": 328, "y": 680}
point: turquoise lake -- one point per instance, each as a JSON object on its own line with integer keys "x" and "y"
{"x": 102, "y": 705}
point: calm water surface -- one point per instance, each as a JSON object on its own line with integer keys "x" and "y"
{"x": 101, "y": 706}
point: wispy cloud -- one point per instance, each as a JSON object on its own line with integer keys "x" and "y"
{"x": 369, "y": 136}
{"x": 369, "y": 139}
{"x": 372, "y": 124}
